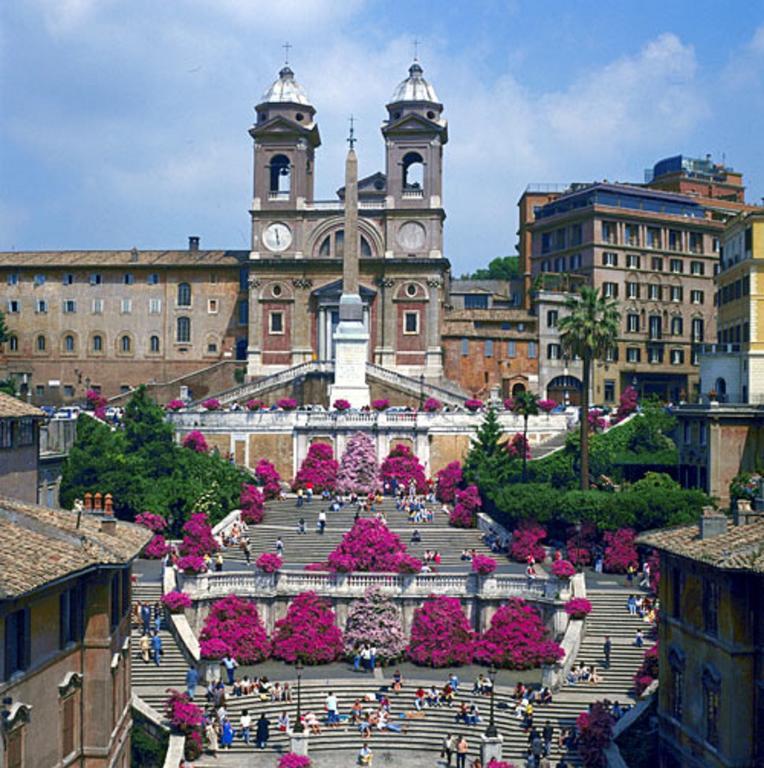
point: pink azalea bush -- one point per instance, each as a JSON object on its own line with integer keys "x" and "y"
{"x": 406, "y": 563}
{"x": 654, "y": 561}
{"x": 155, "y": 523}
{"x": 595, "y": 732}
{"x": 494, "y": 763}
{"x": 431, "y": 405}
{"x": 196, "y": 441}
{"x": 358, "y": 471}
{"x": 441, "y": 635}
{"x": 97, "y": 402}
{"x": 157, "y": 548}
{"x": 401, "y": 464}
{"x": 252, "y": 504}
{"x": 517, "y": 639}
{"x": 563, "y": 569}
{"x": 174, "y": 405}
{"x": 211, "y": 404}
{"x": 648, "y": 670}
{"x": 509, "y": 404}
{"x": 308, "y": 632}
{"x": 627, "y": 404}
{"x": 578, "y": 608}
{"x": 318, "y": 468}
{"x": 197, "y": 536}
{"x": 183, "y": 714}
{"x": 547, "y": 405}
{"x": 382, "y": 404}
{"x": 287, "y": 404}
{"x": 340, "y": 404}
{"x": 519, "y": 445}
{"x": 597, "y": 421}
{"x": 483, "y": 564}
{"x": 473, "y": 404}
{"x": 468, "y": 504}
{"x": 580, "y": 544}
{"x": 293, "y": 760}
{"x": 176, "y": 601}
{"x": 375, "y": 619}
{"x": 316, "y": 567}
{"x": 368, "y": 546}
{"x": 526, "y": 542}
{"x": 268, "y": 562}
{"x": 235, "y": 623}
{"x": 268, "y": 479}
{"x": 449, "y": 480}
{"x": 192, "y": 564}
{"x": 254, "y": 405}
{"x": 620, "y": 550}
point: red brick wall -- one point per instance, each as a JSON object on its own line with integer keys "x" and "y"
{"x": 277, "y": 348}
{"x": 411, "y": 343}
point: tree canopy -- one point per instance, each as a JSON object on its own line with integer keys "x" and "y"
{"x": 500, "y": 268}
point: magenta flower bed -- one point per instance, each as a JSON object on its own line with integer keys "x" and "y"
{"x": 183, "y": 714}
{"x": 308, "y": 632}
{"x": 268, "y": 478}
{"x": 655, "y": 571}
{"x": 563, "y": 569}
{"x": 318, "y": 468}
{"x": 196, "y": 441}
{"x": 268, "y": 562}
{"x": 449, "y": 480}
{"x": 254, "y": 405}
{"x": 287, "y": 403}
{"x": 380, "y": 405}
{"x": 155, "y": 523}
{"x": 174, "y": 405}
{"x": 234, "y": 625}
{"x": 578, "y": 608}
{"x": 375, "y": 619}
{"x": 368, "y": 546}
{"x": 620, "y": 550}
{"x": 519, "y": 445}
{"x": 597, "y": 421}
{"x": 431, "y": 404}
{"x": 526, "y": 542}
{"x": 197, "y": 536}
{"x": 316, "y": 567}
{"x": 547, "y": 405}
{"x": 293, "y": 760}
{"x": 473, "y": 405}
{"x": 464, "y": 513}
{"x": 509, "y": 404}
{"x": 341, "y": 404}
{"x": 595, "y": 732}
{"x": 157, "y": 548}
{"x": 192, "y": 564}
{"x": 211, "y": 404}
{"x": 494, "y": 763}
{"x": 401, "y": 464}
{"x": 648, "y": 670}
{"x": 627, "y": 404}
{"x": 251, "y": 502}
{"x": 441, "y": 635}
{"x": 97, "y": 402}
{"x": 176, "y": 601}
{"x": 358, "y": 470}
{"x": 517, "y": 639}
{"x": 483, "y": 564}
{"x": 408, "y": 564}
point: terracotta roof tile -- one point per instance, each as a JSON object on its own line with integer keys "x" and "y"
{"x": 39, "y": 545}
{"x": 13, "y": 407}
{"x": 99, "y": 259}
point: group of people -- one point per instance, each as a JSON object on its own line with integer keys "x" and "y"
{"x": 149, "y": 618}
{"x": 643, "y": 606}
{"x": 583, "y": 673}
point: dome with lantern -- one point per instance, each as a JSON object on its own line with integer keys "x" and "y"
{"x": 415, "y": 87}
{"x": 286, "y": 90}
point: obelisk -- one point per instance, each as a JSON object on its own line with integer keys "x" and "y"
{"x": 351, "y": 338}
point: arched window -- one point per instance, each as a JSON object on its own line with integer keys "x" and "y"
{"x": 281, "y": 176}
{"x": 154, "y": 343}
{"x": 98, "y": 343}
{"x": 184, "y": 295}
{"x": 125, "y": 344}
{"x": 69, "y": 343}
{"x": 413, "y": 172}
{"x": 41, "y": 343}
{"x": 13, "y": 343}
{"x": 183, "y": 330}
{"x": 333, "y": 246}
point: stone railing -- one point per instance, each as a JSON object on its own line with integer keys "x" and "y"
{"x": 288, "y": 583}
{"x": 554, "y": 675}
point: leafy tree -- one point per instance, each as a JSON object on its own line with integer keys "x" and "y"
{"x": 500, "y": 268}
{"x": 4, "y": 335}
{"x": 525, "y": 404}
{"x": 486, "y": 464}
{"x": 147, "y": 434}
{"x": 588, "y": 331}
{"x": 8, "y": 387}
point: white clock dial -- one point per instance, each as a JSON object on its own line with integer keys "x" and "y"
{"x": 277, "y": 237}
{"x": 411, "y": 236}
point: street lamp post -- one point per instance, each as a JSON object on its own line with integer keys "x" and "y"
{"x": 491, "y": 731}
{"x": 298, "y": 726}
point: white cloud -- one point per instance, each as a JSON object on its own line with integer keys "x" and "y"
{"x": 757, "y": 41}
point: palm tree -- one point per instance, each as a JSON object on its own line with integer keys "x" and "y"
{"x": 525, "y": 404}
{"x": 588, "y": 332}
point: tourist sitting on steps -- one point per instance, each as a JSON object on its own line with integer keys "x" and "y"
{"x": 365, "y": 755}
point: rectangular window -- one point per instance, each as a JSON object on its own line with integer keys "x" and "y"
{"x": 631, "y": 232}
{"x": 155, "y": 306}
{"x": 67, "y": 725}
{"x": 17, "y": 642}
{"x": 697, "y": 329}
{"x": 553, "y": 351}
{"x": 632, "y": 290}
{"x": 633, "y": 260}
{"x": 675, "y": 240}
{"x": 14, "y": 306}
{"x": 115, "y": 611}
{"x": 609, "y": 259}
{"x": 97, "y": 306}
{"x": 575, "y": 261}
{"x": 702, "y": 432}
{"x": 276, "y": 323}
{"x": 633, "y": 354}
{"x": 655, "y": 292}
{"x": 677, "y": 357}
{"x": 696, "y": 242}
{"x": 212, "y": 306}
{"x": 70, "y": 306}
{"x": 128, "y": 278}
{"x": 711, "y": 594}
{"x": 411, "y": 323}
{"x": 68, "y": 278}
{"x": 656, "y": 264}
{"x": 532, "y": 350}
{"x": 676, "y": 266}
{"x": 68, "y": 390}
{"x": 559, "y": 264}
{"x": 546, "y": 242}
{"x": 70, "y": 626}
{"x": 126, "y": 306}
{"x": 465, "y": 347}
{"x": 559, "y": 239}
{"x": 243, "y": 311}
{"x": 472, "y": 301}
{"x": 244, "y": 278}
{"x": 13, "y": 278}
{"x": 677, "y": 326}
{"x": 609, "y": 390}
{"x": 610, "y": 290}
{"x": 551, "y": 318}
{"x": 489, "y": 347}
{"x": 39, "y": 390}
{"x": 676, "y": 693}
{"x": 95, "y": 278}
{"x": 26, "y": 431}
{"x": 41, "y": 307}
{"x": 655, "y": 355}
{"x": 653, "y": 237}
{"x": 656, "y": 327}
{"x": 632, "y": 323}
{"x": 608, "y": 231}
{"x": 697, "y": 268}
{"x": 677, "y": 293}
{"x": 6, "y": 433}
{"x": 576, "y": 234}
{"x": 153, "y": 279}
{"x": 696, "y": 297}
{"x": 511, "y": 349}
{"x": 711, "y": 705}
{"x": 39, "y": 279}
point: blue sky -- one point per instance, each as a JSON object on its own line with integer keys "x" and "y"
{"x": 124, "y": 122}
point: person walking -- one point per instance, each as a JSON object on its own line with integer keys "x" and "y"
{"x": 192, "y": 678}
{"x": 300, "y": 498}
{"x": 212, "y": 737}
{"x": 157, "y": 617}
{"x": 156, "y": 647}
{"x": 230, "y": 665}
{"x": 447, "y": 748}
{"x": 607, "y": 647}
{"x": 279, "y": 546}
{"x": 639, "y": 640}
{"x": 245, "y": 723}
{"x": 321, "y": 522}
{"x": 462, "y": 748}
{"x": 145, "y": 647}
{"x": 263, "y": 731}
{"x": 246, "y": 549}
{"x": 226, "y": 733}
{"x": 146, "y": 617}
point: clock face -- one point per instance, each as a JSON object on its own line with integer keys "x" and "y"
{"x": 411, "y": 236}
{"x": 277, "y": 237}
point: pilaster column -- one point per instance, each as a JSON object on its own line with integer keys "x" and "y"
{"x": 434, "y": 353}
{"x": 255, "y": 346}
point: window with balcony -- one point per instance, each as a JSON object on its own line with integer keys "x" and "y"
{"x": 655, "y": 326}
{"x": 677, "y": 326}
{"x": 631, "y": 234}
{"x": 608, "y": 232}
{"x": 633, "y": 261}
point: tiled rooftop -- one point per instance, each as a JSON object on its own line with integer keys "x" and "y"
{"x": 12, "y": 407}
{"x": 96, "y": 259}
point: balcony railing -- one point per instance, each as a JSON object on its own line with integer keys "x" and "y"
{"x": 412, "y": 194}
{"x": 279, "y": 195}
{"x": 718, "y": 349}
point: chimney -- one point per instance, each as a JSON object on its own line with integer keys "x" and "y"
{"x": 193, "y": 243}
{"x": 108, "y": 522}
{"x": 712, "y": 523}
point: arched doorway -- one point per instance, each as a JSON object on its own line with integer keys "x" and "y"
{"x": 565, "y": 390}
{"x": 517, "y": 389}
{"x": 721, "y": 389}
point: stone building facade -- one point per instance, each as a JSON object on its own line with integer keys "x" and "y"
{"x": 19, "y": 448}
